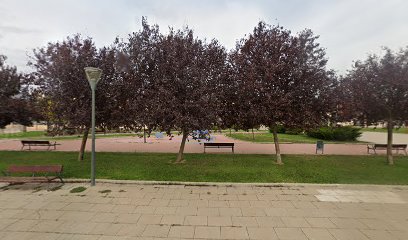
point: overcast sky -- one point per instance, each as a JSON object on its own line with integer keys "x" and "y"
{"x": 348, "y": 29}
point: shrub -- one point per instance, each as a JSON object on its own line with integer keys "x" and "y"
{"x": 283, "y": 129}
{"x": 346, "y": 133}
{"x": 294, "y": 131}
{"x": 325, "y": 133}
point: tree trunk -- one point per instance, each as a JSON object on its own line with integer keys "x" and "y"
{"x": 83, "y": 144}
{"x": 230, "y": 132}
{"x": 276, "y": 141}
{"x": 390, "y": 127}
{"x": 180, "y": 155}
{"x": 253, "y": 135}
{"x": 144, "y": 134}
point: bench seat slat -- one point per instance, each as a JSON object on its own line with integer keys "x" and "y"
{"x": 40, "y": 142}
{"x": 377, "y": 146}
{"x": 32, "y": 143}
{"x": 27, "y": 179}
{"x": 35, "y": 169}
{"x": 393, "y": 145}
{"x": 56, "y": 170}
{"x": 219, "y": 144}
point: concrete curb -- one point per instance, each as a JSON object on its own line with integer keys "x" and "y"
{"x": 223, "y": 184}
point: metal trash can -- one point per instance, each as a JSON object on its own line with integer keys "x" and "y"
{"x": 320, "y": 146}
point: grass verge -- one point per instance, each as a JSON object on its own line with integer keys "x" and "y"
{"x": 268, "y": 138}
{"x": 41, "y": 135}
{"x": 222, "y": 167}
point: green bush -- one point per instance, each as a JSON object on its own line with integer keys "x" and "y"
{"x": 283, "y": 129}
{"x": 346, "y": 133}
{"x": 294, "y": 131}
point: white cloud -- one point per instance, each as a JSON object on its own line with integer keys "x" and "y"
{"x": 349, "y": 29}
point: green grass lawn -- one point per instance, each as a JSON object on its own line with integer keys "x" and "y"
{"x": 384, "y": 130}
{"x": 222, "y": 167}
{"x": 268, "y": 138}
{"x": 41, "y": 135}
{"x": 34, "y": 134}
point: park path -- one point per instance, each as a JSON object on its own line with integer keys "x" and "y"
{"x": 135, "y": 144}
{"x": 164, "y": 145}
{"x": 381, "y": 137}
{"x": 153, "y": 212}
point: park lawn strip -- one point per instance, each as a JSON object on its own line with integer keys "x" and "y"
{"x": 21, "y": 135}
{"x": 40, "y": 135}
{"x": 283, "y": 138}
{"x": 221, "y": 167}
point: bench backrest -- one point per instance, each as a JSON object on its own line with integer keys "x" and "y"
{"x": 393, "y": 145}
{"x": 219, "y": 144}
{"x": 35, "y": 142}
{"x": 35, "y": 169}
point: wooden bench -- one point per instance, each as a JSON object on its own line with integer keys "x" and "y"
{"x": 397, "y": 147}
{"x": 219, "y": 145}
{"x": 48, "y": 172}
{"x": 30, "y": 143}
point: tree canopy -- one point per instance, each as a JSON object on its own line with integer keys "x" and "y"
{"x": 14, "y": 105}
{"x": 61, "y": 85}
{"x": 281, "y": 79}
{"x": 377, "y": 89}
{"x": 184, "y": 86}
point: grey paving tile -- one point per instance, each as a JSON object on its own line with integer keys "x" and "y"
{"x": 186, "y": 212}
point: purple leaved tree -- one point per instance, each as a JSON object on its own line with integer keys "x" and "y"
{"x": 282, "y": 79}
{"x": 378, "y": 92}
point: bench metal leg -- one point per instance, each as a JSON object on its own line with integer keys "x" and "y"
{"x": 60, "y": 177}
{"x": 233, "y": 150}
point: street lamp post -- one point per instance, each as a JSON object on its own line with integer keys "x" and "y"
{"x": 93, "y": 75}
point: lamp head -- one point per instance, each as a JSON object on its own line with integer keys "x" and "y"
{"x": 93, "y": 75}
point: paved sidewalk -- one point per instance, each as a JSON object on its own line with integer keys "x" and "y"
{"x": 381, "y": 137}
{"x": 134, "y": 211}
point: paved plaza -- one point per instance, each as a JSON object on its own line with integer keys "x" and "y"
{"x": 138, "y": 211}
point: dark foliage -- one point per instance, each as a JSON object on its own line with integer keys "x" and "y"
{"x": 340, "y": 133}
{"x": 282, "y": 129}
{"x": 15, "y": 103}
{"x": 63, "y": 91}
{"x": 281, "y": 79}
{"x": 377, "y": 91}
